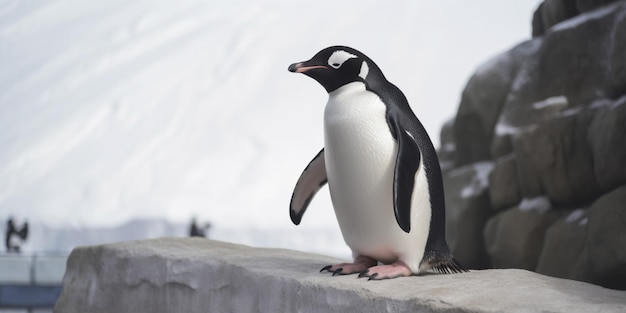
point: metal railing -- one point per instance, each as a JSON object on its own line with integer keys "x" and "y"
{"x": 31, "y": 281}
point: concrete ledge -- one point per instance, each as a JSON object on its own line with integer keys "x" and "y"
{"x": 199, "y": 275}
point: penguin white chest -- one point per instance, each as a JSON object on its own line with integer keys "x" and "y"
{"x": 359, "y": 147}
{"x": 360, "y": 159}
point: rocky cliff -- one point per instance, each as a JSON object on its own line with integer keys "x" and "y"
{"x": 535, "y": 160}
{"x": 198, "y": 275}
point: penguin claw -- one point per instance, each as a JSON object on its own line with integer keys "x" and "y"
{"x": 329, "y": 268}
{"x": 363, "y": 273}
{"x": 396, "y": 269}
{"x": 326, "y": 268}
{"x": 360, "y": 264}
{"x": 338, "y": 271}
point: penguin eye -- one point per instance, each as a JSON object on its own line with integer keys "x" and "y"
{"x": 338, "y": 57}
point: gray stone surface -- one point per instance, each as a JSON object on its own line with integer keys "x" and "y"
{"x": 503, "y": 183}
{"x": 514, "y": 238}
{"x": 537, "y": 22}
{"x": 564, "y": 252}
{"x": 556, "y": 11}
{"x": 482, "y": 100}
{"x": 198, "y": 275}
{"x": 617, "y": 62}
{"x": 588, "y": 5}
{"x": 447, "y": 151}
{"x": 552, "y": 12}
{"x": 467, "y": 211}
{"x": 606, "y": 239}
{"x": 547, "y": 73}
{"x": 606, "y": 137}
{"x": 551, "y": 113}
{"x": 528, "y": 176}
{"x": 559, "y": 154}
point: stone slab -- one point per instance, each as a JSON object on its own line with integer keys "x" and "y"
{"x": 199, "y": 275}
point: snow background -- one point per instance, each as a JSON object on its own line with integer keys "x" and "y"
{"x": 117, "y": 111}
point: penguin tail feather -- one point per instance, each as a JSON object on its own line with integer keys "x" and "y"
{"x": 448, "y": 266}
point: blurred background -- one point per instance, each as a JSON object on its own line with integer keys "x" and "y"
{"x": 122, "y": 120}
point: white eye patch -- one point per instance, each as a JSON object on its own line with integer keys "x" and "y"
{"x": 365, "y": 69}
{"x": 338, "y": 57}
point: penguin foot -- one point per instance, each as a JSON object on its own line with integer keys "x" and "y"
{"x": 393, "y": 270}
{"x": 361, "y": 263}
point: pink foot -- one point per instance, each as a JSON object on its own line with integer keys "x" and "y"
{"x": 393, "y": 270}
{"x": 361, "y": 264}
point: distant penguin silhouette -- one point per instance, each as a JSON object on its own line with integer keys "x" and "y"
{"x": 15, "y": 236}
{"x": 196, "y": 231}
{"x": 381, "y": 168}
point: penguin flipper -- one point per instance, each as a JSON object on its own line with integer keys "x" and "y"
{"x": 407, "y": 164}
{"x": 311, "y": 180}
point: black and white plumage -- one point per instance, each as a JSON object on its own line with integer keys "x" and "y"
{"x": 15, "y": 235}
{"x": 382, "y": 170}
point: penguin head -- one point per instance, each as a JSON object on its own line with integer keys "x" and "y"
{"x": 336, "y": 66}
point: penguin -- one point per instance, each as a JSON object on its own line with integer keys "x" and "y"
{"x": 382, "y": 171}
{"x": 15, "y": 236}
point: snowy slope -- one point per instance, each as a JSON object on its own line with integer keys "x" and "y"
{"x": 112, "y": 110}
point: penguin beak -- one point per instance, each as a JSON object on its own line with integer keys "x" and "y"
{"x": 303, "y": 67}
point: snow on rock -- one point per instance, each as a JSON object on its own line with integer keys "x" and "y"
{"x": 585, "y": 18}
{"x": 197, "y": 275}
{"x": 557, "y": 101}
{"x": 577, "y": 215}
{"x": 503, "y": 129}
{"x": 540, "y": 204}
{"x": 551, "y": 107}
{"x": 480, "y": 180}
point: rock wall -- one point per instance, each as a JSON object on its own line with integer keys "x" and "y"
{"x": 198, "y": 275}
{"x": 535, "y": 160}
